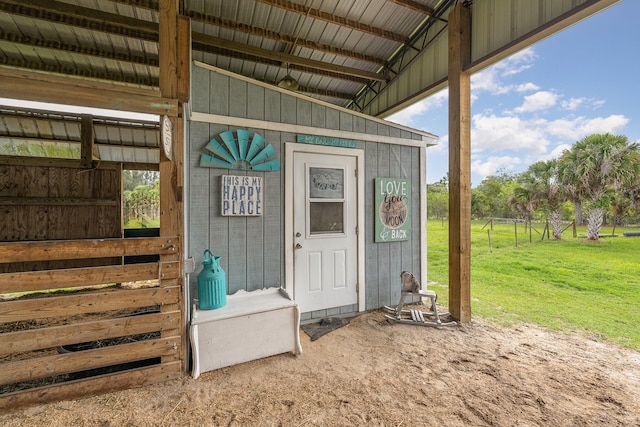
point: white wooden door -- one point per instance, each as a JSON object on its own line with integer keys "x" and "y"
{"x": 325, "y": 241}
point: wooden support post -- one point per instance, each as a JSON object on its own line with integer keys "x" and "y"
{"x": 87, "y": 137}
{"x": 171, "y": 169}
{"x": 460, "y": 163}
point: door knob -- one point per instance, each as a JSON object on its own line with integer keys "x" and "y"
{"x": 298, "y": 246}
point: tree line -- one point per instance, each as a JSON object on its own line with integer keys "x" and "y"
{"x": 597, "y": 179}
{"x": 141, "y": 196}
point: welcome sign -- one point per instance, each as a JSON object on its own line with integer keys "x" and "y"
{"x": 393, "y": 209}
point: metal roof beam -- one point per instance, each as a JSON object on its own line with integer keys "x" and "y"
{"x": 259, "y": 32}
{"x": 310, "y": 64}
{"x": 413, "y": 5}
{"x": 144, "y": 59}
{"x": 285, "y": 38}
{"x": 82, "y": 17}
{"x": 333, "y": 19}
{"x": 245, "y": 56}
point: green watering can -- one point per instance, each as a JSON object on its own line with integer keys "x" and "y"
{"x": 212, "y": 283}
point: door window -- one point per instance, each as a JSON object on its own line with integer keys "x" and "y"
{"x": 326, "y": 201}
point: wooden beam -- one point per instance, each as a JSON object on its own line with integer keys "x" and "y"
{"x": 76, "y": 70}
{"x": 56, "y": 364}
{"x": 32, "y": 281}
{"x": 217, "y": 42}
{"x": 171, "y": 167}
{"x": 79, "y": 332}
{"x": 460, "y": 164}
{"x": 57, "y": 201}
{"x": 333, "y": 19}
{"x": 87, "y": 138}
{"x": 184, "y": 59}
{"x": 54, "y": 250}
{"x": 34, "y": 86}
{"x": 93, "y": 302}
{"x": 101, "y": 384}
{"x": 54, "y": 162}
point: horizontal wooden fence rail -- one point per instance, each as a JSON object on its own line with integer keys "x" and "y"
{"x": 72, "y": 332}
{"x": 53, "y": 250}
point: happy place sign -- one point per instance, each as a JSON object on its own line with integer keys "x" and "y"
{"x": 241, "y": 195}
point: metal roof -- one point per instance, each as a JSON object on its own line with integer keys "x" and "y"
{"x": 331, "y": 47}
{"x": 373, "y": 56}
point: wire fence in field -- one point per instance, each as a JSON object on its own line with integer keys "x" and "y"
{"x": 529, "y": 230}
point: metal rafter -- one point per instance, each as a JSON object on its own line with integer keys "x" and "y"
{"x": 333, "y": 19}
{"x": 135, "y": 28}
{"x": 144, "y": 59}
{"x": 259, "y": 32}
{"x": 82, "y": 17}
{"x": 218, "y": 50}
{"x": 403, "y": 58}
{"x": 309, "y": 64}
{"x": 413, "y": 5}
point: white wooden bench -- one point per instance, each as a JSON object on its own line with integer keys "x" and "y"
{"x": 252, "y": 325}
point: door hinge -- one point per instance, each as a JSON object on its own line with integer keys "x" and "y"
{"x": 356, "y": 230}
{"x": 356, "y": 172}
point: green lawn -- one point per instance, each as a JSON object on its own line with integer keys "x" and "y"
{"x": 563, "y": 285}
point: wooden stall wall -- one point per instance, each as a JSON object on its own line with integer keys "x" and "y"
{"x": 252, "y": 248}
{"x": 42, "y": 202}
{"x": 74, "y": 319}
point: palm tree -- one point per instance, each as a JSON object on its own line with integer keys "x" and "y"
{"x": 596, "y": 165}
{"x": 523, "y": 198}
{"x": 547, "y": 190}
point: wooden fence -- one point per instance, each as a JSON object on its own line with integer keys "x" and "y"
{"x": 73, "y": 332}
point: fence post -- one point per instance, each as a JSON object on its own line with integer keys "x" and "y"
{"x": 575, "y": 231}
{"x": 515, "y": 228}
{"x": 490, "y": 246}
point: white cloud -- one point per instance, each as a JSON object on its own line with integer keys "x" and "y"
{"x": 408, "y": 115}
{"x": 557, "y": 152}
{"x": 490, "y": 165}
{"x": 572, "y": 104}
{"x": 497, "y": 133}
{"x": 577, "y": 128}
{"x": 527, "y": 87}
{"x": 540, "y": 100}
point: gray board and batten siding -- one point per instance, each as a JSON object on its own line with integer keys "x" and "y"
{"x": 252, "y": 248}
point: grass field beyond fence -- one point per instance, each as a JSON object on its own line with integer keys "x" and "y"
{"x": 570, "y": 285}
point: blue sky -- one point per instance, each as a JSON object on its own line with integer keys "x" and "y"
{"x": 538, "y": 102}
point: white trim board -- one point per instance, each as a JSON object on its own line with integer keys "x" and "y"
{"x": 427, "y": 138}
{"x": 306, "y": 130}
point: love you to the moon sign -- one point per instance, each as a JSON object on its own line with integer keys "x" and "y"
{"x": 393, "y": 209}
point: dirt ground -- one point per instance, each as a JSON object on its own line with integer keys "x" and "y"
{"x": 374, "y": 372}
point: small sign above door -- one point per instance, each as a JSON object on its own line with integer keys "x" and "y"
{"x": 241, "y": 195}
{"x": 325, "y": 140}
{"x": 393, "y": 209}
